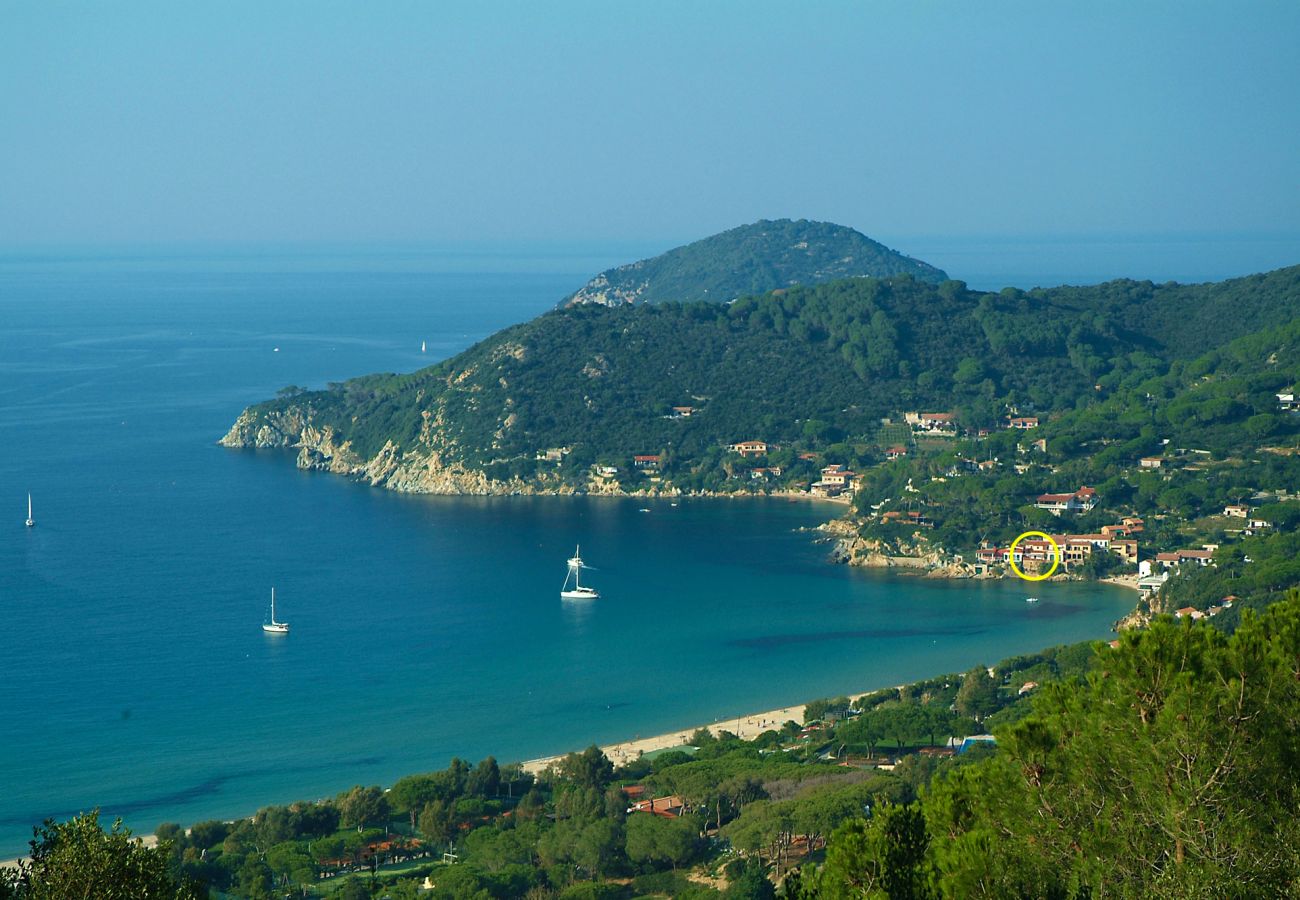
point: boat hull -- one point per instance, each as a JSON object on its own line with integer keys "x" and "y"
{"x": 580, "y": 594}
{"x": 276, "y": 628}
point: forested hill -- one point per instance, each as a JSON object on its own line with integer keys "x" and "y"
{"x": 805, "y": 368}
{"x": 751, "y": 259}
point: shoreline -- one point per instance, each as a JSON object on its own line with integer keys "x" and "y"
{"x": 747, "y": 727}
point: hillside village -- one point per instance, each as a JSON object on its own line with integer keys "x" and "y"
{"x": 932, "y": 449}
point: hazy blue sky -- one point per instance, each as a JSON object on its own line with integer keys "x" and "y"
{"x": 433, "y": 121}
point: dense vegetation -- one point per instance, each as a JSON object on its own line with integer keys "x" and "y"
{"x": 1162, "y": 767}
{"x": 1168, "y": 772}
{"x": 812, "y": 367}
{"x": 751, "y": 259}
{"x": 1213, "y": 423}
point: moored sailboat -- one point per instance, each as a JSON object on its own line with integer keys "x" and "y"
{"x": 577, "y": 592}
{"x": 274, "y": 627}
{"x": 30, "y": 520}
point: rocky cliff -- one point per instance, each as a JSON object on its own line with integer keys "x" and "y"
{"x": 421, "y": 470}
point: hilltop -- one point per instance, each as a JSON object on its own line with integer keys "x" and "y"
{"x": 751, "y": 259}
{"x": 946, "y": 415}
{"x": 537, "y": 405}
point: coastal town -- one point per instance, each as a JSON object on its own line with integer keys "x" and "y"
{"x": 895, "y": 531}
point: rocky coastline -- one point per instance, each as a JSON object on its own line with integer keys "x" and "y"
{"x": 426, "y": 470}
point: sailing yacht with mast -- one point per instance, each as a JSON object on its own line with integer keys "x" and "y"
{"x": 274, "y": 627}
{"x": 30, "y": 520}
{"x": 577, "y": 592}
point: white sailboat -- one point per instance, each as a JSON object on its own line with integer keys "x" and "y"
{"x": 577, "y": 592}
{"x": 274, "y": 627}
{"x": 30, "y": 520}
{"x": 422, "y": 346}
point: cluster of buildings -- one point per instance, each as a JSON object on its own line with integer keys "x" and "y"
{"x": 1253, "y": 523}
{"x": 944, "y": 424}
{"x": 1191, "y": 612}
{"x": 1073, "y": 549}
{"x": 936, "y": 424}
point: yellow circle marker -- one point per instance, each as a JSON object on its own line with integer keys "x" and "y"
{"x": 1011, "y": 556}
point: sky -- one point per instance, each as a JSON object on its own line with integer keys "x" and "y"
{"x": 649, "y": 121}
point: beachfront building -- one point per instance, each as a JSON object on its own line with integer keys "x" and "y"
{"x": 648, "y": 462}
{"x": 1151, "y": 582}
{"x": 835, "y": 480}
{"x": 1074, "y": 549}
{"x": 1082, "y": 500}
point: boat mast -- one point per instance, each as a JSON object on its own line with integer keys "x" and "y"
{"x": 272, "y": 606}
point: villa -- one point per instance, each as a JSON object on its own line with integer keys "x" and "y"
{"x": 1082, "y": 500}
{"x": 931, "y": 423}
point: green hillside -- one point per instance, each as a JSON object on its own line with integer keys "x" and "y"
{"x": 812, "y": 368}
{"x": 751, "y": 259}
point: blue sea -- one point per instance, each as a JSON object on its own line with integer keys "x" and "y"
{"x": 135, "y": 677}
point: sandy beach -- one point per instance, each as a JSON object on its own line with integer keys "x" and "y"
{"x": 747, "y": 727}
{"x": 1127, "y": 581}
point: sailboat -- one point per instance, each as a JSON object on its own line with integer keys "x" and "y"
{"x": 30, "y": 520}
{"x": 274, "y": 627}
{"x": 422, "y": 346}
{"x": 577, "y": 592}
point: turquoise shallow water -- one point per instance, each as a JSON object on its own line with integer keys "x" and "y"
{"x": 133, "y": 672}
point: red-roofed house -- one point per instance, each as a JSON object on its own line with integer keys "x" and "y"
{"x": 895, "y": 452}
{"x": 1082, "y": 500}
{"x": 667, "y": 807}
{"x": 1024, "y": 423}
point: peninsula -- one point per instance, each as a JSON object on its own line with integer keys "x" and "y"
{"x": 1146, "y": 429}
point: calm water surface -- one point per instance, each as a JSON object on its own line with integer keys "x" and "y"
{"x": 134, "y": 674}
